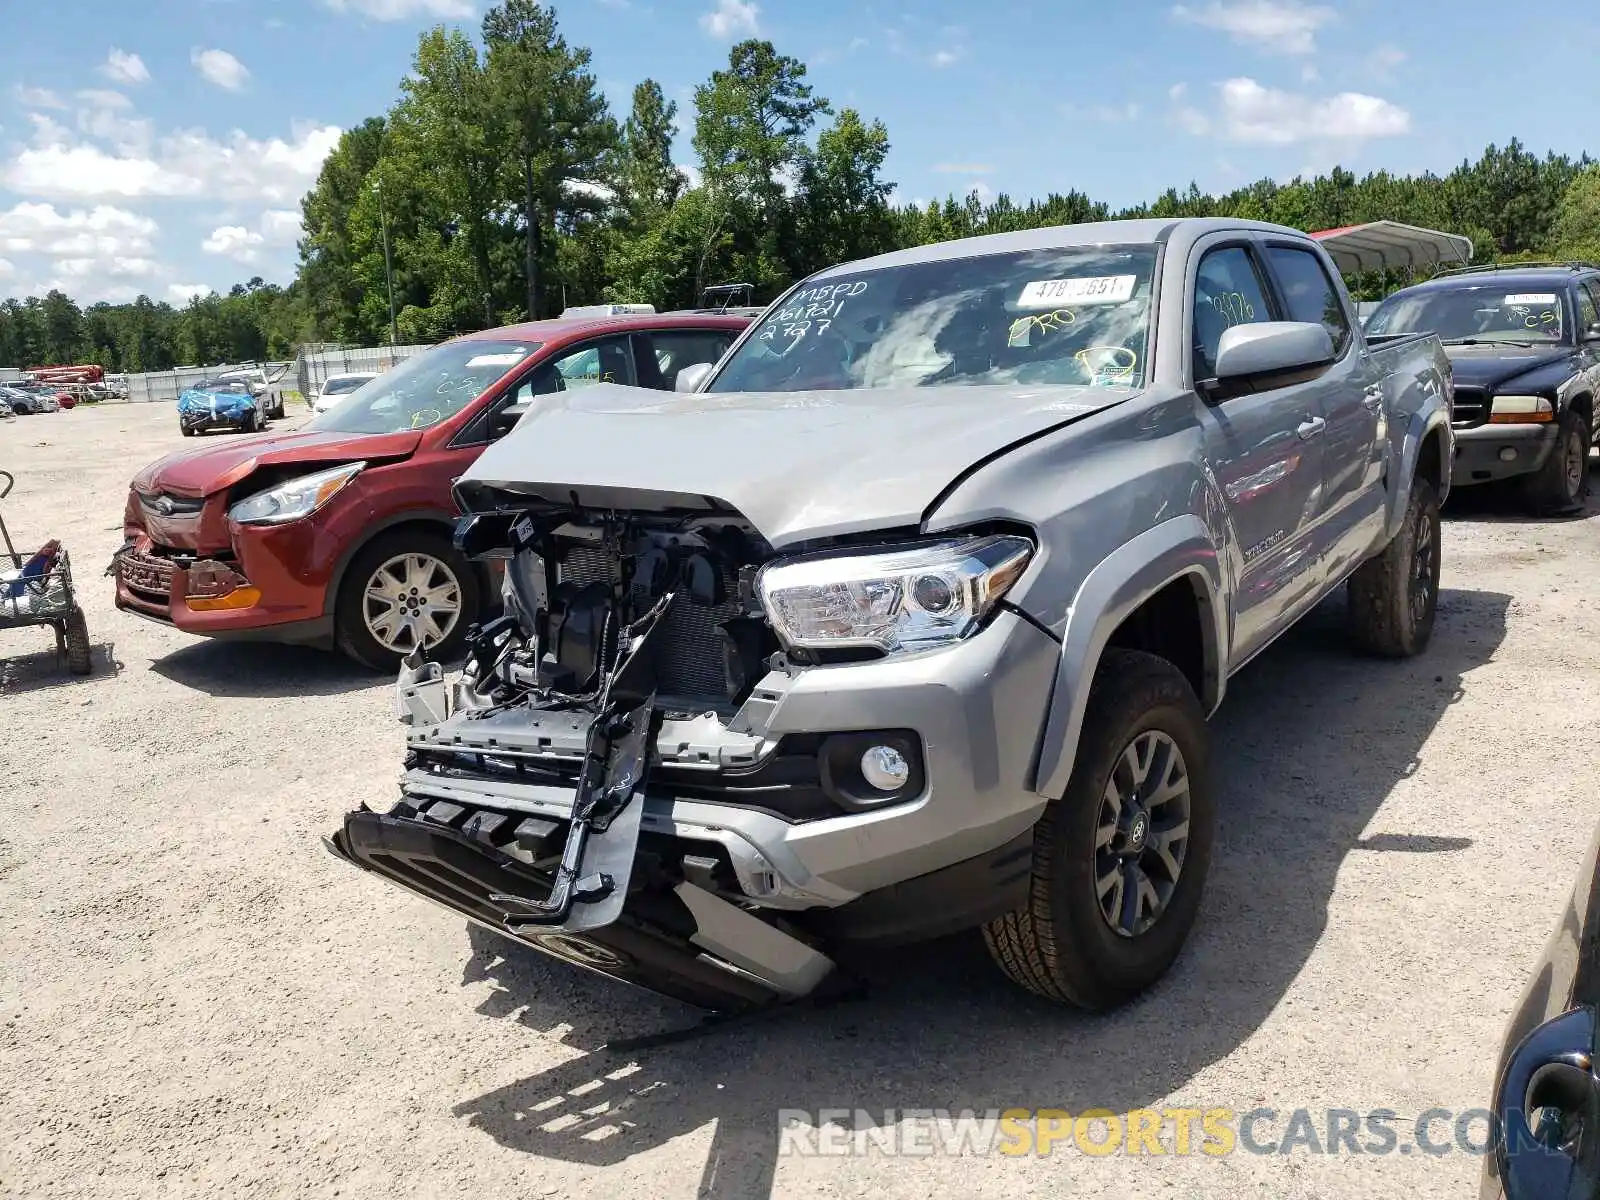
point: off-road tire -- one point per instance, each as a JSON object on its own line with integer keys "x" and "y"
{"x": 186, "y": 430}
{"x": 1384, "y": 621}
{"x": 75, "y": 640}
{"x": 249, "y": 424}
{"x": 1552, "y": 488}
{"x": 351, "y": 635}
{"x": 1058, "y": 944}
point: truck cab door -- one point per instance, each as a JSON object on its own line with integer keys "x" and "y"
{"x": 1264, "y": 448}
{"x": 1351, "y": 397}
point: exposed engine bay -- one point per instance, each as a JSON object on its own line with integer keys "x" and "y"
{"x": 524, "y": 796}
{"x": 584, "y": 595}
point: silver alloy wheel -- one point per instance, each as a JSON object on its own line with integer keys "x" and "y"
{"x": 1577, "y": 453}
{"x": 1141, "y": 833}
{"x": 412, "y": 600}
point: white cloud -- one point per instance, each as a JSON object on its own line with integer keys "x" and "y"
{"x": 221, "y": 68}
{"x": 281, "y": 226}
{"x": 38, "y": 97}
{"x": 59, "y": 170}
{"x": 235, "y": 242}
{"x": 99, "y": 268}
{"x": 41, "y": 229}
{"x": 186, "y": 163}
{"x": 943, "y": 58}
{"x": 123, "y": 67}
{"x": 983, "y": 190}
{"x": 731, "y": 18}
{"x": 182, "y": 293}
{"x": 403, "y": 10}
{"x": 7, "y": 268}
{"x": 1252, "y": 113}
{"x": 691, "y": 174}
{"x": 1276, "y": 26}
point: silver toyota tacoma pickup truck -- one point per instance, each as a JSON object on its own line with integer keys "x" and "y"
{"x": 907, "y": 616}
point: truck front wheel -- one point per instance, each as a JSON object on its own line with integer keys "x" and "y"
{"x": 1559, "y": 485}
{"x": 1120, "y": 860}
{"x": 1394, "y": 595}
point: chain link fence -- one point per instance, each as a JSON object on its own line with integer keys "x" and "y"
{"x": 304, "y": 375}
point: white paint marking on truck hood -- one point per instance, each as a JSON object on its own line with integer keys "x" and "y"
{"x": 798, "y": 465}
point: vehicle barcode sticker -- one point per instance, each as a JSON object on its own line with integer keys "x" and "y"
{"x": 1100, "y": 289}
{"x": 496, "y": 360}
{"x": 1530, "y": 298}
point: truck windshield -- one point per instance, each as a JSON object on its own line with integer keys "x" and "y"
{"x": 425, "y": 389}
{"x": 1474, "y": 313}
{"x": 1077, "y": 315}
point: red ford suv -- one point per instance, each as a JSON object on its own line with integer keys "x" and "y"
{"x": 338, "y": 534}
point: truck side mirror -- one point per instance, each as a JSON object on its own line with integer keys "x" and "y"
{"x": 1269, "y": 354}
{"x": 691, "y": 377}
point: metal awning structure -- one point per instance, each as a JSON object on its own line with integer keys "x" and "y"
{"x": 1389, "y": 244}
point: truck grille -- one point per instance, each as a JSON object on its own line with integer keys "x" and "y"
{"x": 689, "y": 664}
{"x": 1471, "y": 407}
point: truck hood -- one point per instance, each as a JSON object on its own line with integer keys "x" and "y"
{"x": 1490, "y": 366}
{"x": 797, "y": 465}
{"x": 217, "y": 466}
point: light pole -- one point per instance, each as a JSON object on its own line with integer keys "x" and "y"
{"x": 388, "y": 262}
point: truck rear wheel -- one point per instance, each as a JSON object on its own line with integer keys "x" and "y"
{"x": 1120, "y": 860}
{"x": 1559, "y": 485}
{"x": 1395, "y": 595}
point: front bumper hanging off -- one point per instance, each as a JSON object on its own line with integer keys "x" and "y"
{"x": 584, "y": 889}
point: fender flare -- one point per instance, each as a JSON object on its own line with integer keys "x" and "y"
{"x": 1437, "y": 423}
{"x": 1178, "y": 548}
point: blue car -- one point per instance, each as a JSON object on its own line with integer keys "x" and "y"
{"x": 224, "y": 403}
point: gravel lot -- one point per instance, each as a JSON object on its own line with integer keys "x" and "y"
{"x": 196, "y": 1000}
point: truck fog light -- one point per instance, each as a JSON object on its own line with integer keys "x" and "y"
{"x": 1508, "y": 453}
{"x": 885, "y": 768}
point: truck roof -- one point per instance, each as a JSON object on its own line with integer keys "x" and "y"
{"x": 1057, "y": 237}
{"x": 1510, "y": 274}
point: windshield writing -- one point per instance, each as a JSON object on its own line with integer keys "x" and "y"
{"x": 1499, "y": 314}
{"x": 1060, "y": 316}
{"x": 425, "y": 389}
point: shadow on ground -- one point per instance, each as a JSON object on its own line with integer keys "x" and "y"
{"x": 1309, "y": 744}
{"x": 1503, "y": 504}
{"x": 46, "y": 669}
{"x": 263, "y": 669}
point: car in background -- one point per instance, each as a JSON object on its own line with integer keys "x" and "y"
{"x": 336, "y": 387}
{"x": 260, "y": 386}
{"x": 221, "y": 402}
{"x": 1524, "y": 347}
{"x": 339, "y": 534}
{"x": 28, "y": 399}
{"x": 6, "y": 411}
{"x": 1547, "y": 1093}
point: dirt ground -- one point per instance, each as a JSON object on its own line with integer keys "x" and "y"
{"x": 197, "y": 1000}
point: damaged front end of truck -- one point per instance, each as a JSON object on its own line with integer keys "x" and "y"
{"x": 537, "y": 794}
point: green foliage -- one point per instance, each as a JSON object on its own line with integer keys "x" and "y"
{"x": 505, "y": 188}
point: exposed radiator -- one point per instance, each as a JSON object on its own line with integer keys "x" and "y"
{"x": 688, "y": 647}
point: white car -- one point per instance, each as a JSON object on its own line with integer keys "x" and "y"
{"x": 336, "y": 387}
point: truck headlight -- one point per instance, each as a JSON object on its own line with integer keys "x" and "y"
{"x": 295, "y": 498}
{"x": 896, "y": 600}
{"x": 1520, "y": 410}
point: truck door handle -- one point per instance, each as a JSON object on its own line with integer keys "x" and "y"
{"x": 1309, "y": 429}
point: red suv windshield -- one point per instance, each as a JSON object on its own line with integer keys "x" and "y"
{"x": 425, "y": 389}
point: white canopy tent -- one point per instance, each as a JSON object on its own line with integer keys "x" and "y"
{"x": 1378, "y": 245}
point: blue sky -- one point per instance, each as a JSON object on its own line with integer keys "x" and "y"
{"x": 162, "y": 146}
